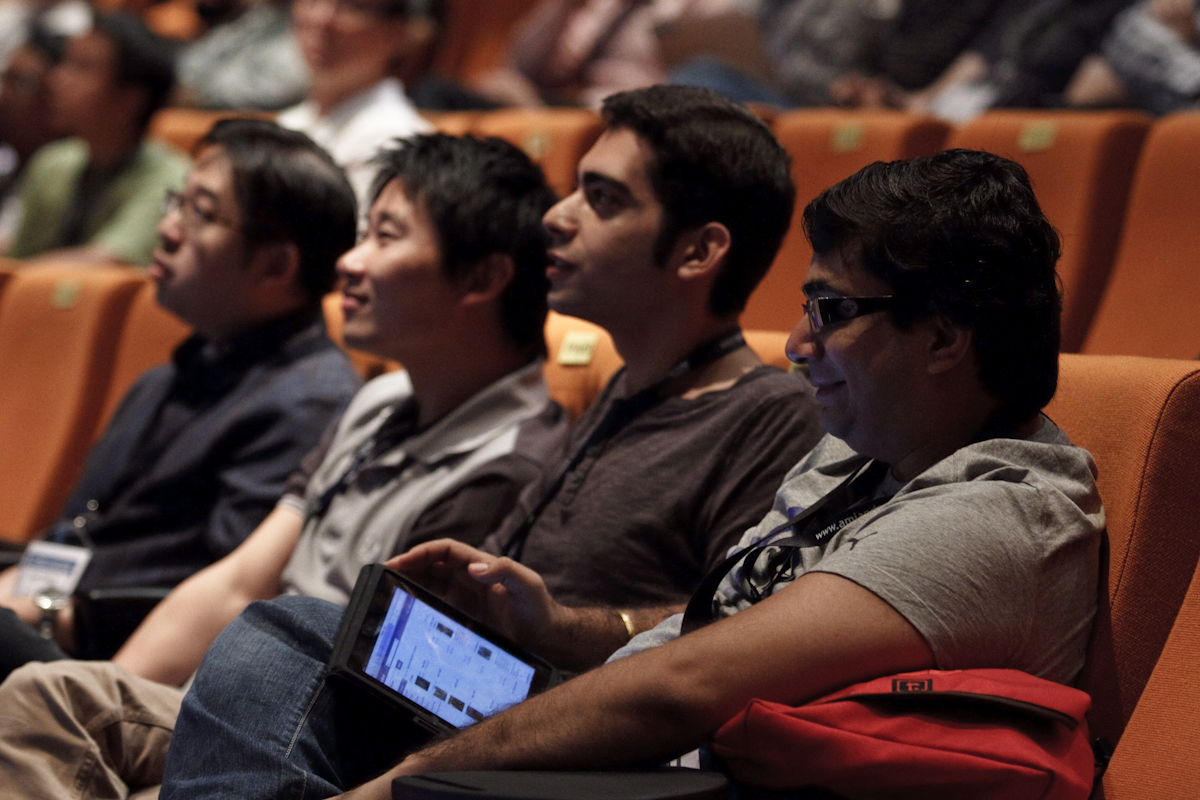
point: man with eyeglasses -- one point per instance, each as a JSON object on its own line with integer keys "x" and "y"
{"x": 199, "y": 450}
{"x": 943, "y": 523}
{"x": 94, "y": 196}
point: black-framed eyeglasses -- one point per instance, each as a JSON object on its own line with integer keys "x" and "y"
{"x": 824, "y": 311}
{"x": 194, "y": 217}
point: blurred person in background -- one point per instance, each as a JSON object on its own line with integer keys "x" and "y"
{"x": 577, "y": 52}
{"x": 248, "y": 58}
{"x": 1150, "y": 60}
{"x": 97, "y": 195}
{"x": 355, "y": 103}
{"x": 24, "y": 118}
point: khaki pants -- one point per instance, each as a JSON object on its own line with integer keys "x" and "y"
{"x": 83, "y": 729}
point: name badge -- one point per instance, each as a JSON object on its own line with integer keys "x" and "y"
{"x": 46, "y": 565}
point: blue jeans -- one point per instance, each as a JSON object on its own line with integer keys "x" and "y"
{"x": 264, "y": 720}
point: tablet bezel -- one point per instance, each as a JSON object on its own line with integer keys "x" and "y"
{"x": 363, "y": 619}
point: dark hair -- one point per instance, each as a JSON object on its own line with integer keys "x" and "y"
{"x": 45, "y": 42}
{"x": 144, "y": 59}
{"x": 484, "y": 196}
{"x": 288, "y": 190}
{"x": 958, "y": 234}
{"x": 714, "y": 161}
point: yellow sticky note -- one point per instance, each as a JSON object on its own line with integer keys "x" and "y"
{"x": 1037, "y": 136}
{"x": 537, "y": 144}
{"x": 66, "y": 295}
{"x": 577, "y": 348}
{"x": 847, "y": 137}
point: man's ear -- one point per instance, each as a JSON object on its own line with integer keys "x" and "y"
{"x": 276, "y": 265}
{"x": 487, "y": 279}
{"x": 950, "y": 344}
{"x": 701, "y": 251}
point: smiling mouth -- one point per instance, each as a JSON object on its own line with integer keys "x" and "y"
{"x": 558, "y": 267}
{"x": 158, "y": 268}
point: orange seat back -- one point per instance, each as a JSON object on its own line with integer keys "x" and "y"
{"x": 455, "y": 123}
{"x": 770, "y": 346}
{"x": 827, "y": 146}
{"x": 1138, "y": 418}
{"x": 581, "y": 360}
{"x": 149, "y": 336}
{"x": 556, "y": 138}
{"x": 1156, "y": 757}
{"x": 1149, "y": 307}
{"x": 1081, "y": 165}
{"x": 59, "y": 328}
{"x": 183, "y": 127}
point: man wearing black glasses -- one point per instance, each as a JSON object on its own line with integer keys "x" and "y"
{"x": 199, "y": 450}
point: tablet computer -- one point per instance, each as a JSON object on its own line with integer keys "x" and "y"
{"x": 429, "y": 659}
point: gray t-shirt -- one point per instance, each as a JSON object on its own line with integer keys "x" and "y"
{"x": 992, "y": 554}
{"x": 459, "y": 477}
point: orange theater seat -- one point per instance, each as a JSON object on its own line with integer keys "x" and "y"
{"x": 1138, "y": 417}
{"x": 368, "y": 366}
{"x": 455, "y": 123}
{"x": 770, "y": 346}
{"x": 183, "y": 127}
{"x": 556, "y": 138}
{"x": 1081, "y": 165}
{"x": 1149, "y": 307}
{"x": 1156, "y": 757}
{"x": 59, "y": 328}
{"x": 150, "y": 335}
{"x": 826, "y": 146}
{"x": 582, "y": 359}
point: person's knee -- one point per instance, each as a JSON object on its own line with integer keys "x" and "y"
{"x": 304, "y": 624}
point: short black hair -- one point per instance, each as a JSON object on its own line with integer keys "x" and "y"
{"x": 144, "y": 59}
{"x": 958, "y": 234}
{"x": 484, "y": 196}
{"x": 288, "y": 190}
{"x": 714, "y": 161}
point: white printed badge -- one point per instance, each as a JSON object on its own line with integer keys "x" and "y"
{"x": 46, "y": 565}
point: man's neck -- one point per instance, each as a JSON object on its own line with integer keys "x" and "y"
{"x": 443, "y": 382}
{"x": 651, "y": 353}
{"x": 110, "y": 149}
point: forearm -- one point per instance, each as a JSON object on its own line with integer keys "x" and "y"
{"x": 582, "y": 638}
{"x": 821, "y": 633}
{"x": 168, "y": 646}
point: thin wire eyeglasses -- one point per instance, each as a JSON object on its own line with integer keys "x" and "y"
{"x": 194, "y": 217}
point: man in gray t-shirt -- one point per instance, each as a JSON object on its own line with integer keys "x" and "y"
{"x": 968, "y": 538}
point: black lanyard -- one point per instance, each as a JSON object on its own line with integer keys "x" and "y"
{"x": 401, "y": 422}
{"x": 620, "y": 413}
{"x": 845, "y": 503}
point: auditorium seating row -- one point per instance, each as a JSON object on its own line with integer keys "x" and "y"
{"x": 72, "y": 340}
{"x": 1119, "y": 187}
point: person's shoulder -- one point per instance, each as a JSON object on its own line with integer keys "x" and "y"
{"x": 159, "y": 157}
{"x": 63, "y": 154}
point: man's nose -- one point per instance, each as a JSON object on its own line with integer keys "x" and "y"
{"x": 559, "y": 221}
{"x": 803, "y": 344}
